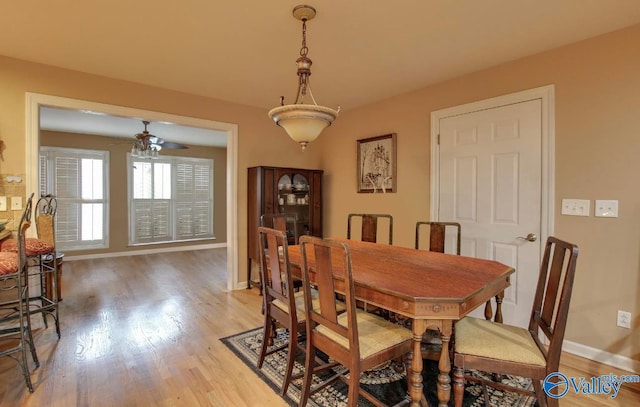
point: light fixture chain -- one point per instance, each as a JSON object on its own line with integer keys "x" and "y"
{"x": 304, "y": 50}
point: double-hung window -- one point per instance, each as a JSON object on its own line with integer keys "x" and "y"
{"x": 78, "y": 179}
{"x": 171, "y": 199}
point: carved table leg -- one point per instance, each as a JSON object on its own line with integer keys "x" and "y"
{"x": 499, "y": 299}
{"x": 415, "y": 382}
{"x": 488, "y": 312}
{"x": 444, "y": 381}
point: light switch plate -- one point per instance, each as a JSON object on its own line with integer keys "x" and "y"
{"x": 16, "y": 203}
{"x": 575, "y": 207}
{"x": 3, "y": 203}
{"x": 607, "y": 208}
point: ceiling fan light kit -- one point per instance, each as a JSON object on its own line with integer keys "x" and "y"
{"x": 303, "y": 122}
{"x": 147, "y": 145}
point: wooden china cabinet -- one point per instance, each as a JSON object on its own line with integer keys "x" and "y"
{"x": 282, "y": 190}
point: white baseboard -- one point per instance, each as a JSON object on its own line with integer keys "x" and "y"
{"x": 601, "y": 356}
{"x": 146, "y": 251}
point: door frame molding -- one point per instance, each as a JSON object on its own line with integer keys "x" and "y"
{"x": 32, "y": 143}
{"x": 546, "y": 94}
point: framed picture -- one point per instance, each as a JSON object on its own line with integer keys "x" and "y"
{"x": 376, "y": 158}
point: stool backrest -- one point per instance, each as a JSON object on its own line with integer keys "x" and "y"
{"x": 45, "y": 212}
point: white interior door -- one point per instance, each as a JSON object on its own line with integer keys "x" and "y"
{"x": 490, "y": 182}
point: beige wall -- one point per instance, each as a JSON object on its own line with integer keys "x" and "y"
{"x": 597, "y": 97}
{"x": 597, "y": 156}
{"x": 118, "y": 208}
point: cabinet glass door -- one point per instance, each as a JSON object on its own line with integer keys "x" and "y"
{"x": 293, "y": 197}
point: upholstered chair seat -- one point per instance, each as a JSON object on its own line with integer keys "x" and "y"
{"x": 498, "y": 341}
{"x": 299, "y": 297}
{"x": 375, "y": 334}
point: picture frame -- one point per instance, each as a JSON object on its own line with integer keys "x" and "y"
{"x": 376, "y": 162}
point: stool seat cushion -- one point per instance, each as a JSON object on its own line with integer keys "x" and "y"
{"x": 33, "y": 246}
{"x": 8, "y": 263}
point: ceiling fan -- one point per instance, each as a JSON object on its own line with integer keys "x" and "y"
{"x": 148, "y": 145}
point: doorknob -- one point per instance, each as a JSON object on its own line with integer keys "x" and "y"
{"x": 531, "y": 237}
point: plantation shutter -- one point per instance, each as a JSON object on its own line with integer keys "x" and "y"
{"x": 151, "y": 203}
{"x": 152, "y": 220}
{"x": 67, "y": 190}
{"x": 194, "y": 200}
{"x": 171, "y": 200}
{"x": 42, "y": 175}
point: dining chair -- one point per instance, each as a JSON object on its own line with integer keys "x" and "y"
{"x": 42, "y": 260}
{"x": 15, "y": 321}
{"x": 437, "y": 234}
{"x": 437, "y": 241}
{"x": 280, "y": 302}
{"x": 285, "y": 222}
{"x": 509, "y": 350}
{"x": 288, "y": 224}
{"x": 369, "y": 226}
{"x": 356, "y": 339}
{"x": 437, "y": 237}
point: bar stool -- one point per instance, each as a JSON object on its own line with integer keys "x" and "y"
{"x": 15, "y": 323}
{"x": 41, "y": 258}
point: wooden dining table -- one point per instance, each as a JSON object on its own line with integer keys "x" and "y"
{"x": 433, "y": 289}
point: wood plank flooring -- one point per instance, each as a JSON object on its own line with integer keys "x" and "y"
{"x": 145, "y": 330}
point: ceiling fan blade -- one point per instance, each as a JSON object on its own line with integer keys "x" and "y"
{"x": 175, "y": 146}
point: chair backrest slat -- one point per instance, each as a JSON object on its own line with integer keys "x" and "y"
{"x": 436, "y": 239}
{"x": 369, "y": 227}
{"x": 437, "y": 235}
{"x": 324, "y": 276}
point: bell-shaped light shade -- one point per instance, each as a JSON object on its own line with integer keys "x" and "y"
{"x": 303, "y": 123}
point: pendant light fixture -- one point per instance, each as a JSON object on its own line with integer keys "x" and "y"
{"x": 303, "y": 122}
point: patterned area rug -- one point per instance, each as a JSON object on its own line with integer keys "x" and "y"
{"x": 387, "y": 382}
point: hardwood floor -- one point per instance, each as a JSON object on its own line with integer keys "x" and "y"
{"x": 145, "y": 330}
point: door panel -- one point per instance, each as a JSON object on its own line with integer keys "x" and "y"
{"x": 490, "y": 182}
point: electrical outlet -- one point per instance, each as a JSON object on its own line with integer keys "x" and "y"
{"x": 624, "y": 319}
{"x": 575, "y": 207}
{"x": 16, "y": 203}
{"x": 606, "y": 209}
{"x": 3, "y": 203}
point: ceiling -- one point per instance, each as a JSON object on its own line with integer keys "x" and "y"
{"x": 244, "y": 51}
{"x": 98, "y": 123}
